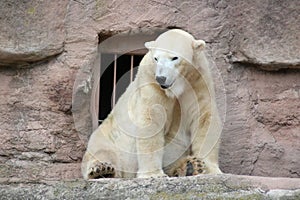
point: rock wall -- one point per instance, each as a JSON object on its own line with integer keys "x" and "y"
{"x": 47, "y": 54}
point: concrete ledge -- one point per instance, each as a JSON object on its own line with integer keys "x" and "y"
{"x": 202, "y": 187}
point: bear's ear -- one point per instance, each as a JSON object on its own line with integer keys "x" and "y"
{"x": 198, "y": 44}
{"x": 150, "y": 44}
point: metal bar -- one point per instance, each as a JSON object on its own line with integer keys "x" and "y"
{"x": 131, "y": 68}
{"x": 115, "y": 80}
{"x": 96, "y": 105}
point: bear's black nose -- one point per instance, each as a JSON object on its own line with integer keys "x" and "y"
{"x": 162, "y": 82}
{"x": 161, "y": 79}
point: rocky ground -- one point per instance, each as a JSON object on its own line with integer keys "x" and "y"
{"x": 202, "y": 187}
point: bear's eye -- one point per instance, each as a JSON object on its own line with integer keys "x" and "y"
{"x": 155, "y": 58}
{"x": 174, "y": 58}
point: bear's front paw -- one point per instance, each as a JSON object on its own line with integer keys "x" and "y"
{"x": 191, "y": 167}
{"x": 101, "y": 170}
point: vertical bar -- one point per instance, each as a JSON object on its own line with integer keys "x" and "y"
{"x": 97, "y": 94}
{"x": 131, "y": 68}
{"x": 115, "y": 80}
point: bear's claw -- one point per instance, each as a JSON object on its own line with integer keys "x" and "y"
{"x": 101, "y": 170}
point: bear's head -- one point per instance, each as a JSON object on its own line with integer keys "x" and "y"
{"x": 170, "y": 52}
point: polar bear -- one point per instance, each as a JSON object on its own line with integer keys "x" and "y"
{"x": 166, "y": 123}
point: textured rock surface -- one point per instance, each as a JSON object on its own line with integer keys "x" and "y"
{"x": 31, "y": 30}
{"x": 264, "y": 120}
{"x": 58, "y": 41}
{"x": 37, "y": 127}
{"x": 205, "y": 187}
{"x": 262, "y": 29}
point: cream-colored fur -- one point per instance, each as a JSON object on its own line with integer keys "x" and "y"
{"x": 151, "y": 132}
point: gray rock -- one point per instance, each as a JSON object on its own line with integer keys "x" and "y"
{"x": 202, "y": 187}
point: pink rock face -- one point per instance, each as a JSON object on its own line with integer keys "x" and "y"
{"x": 265, "y": 122}
{"x": 57, "y": 41}
{"x": 31, "y": 31}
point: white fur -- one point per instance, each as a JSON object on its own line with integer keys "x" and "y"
{"x": 150, "y": 129}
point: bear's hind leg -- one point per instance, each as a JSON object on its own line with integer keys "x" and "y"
{"x": 190, "y": 166}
